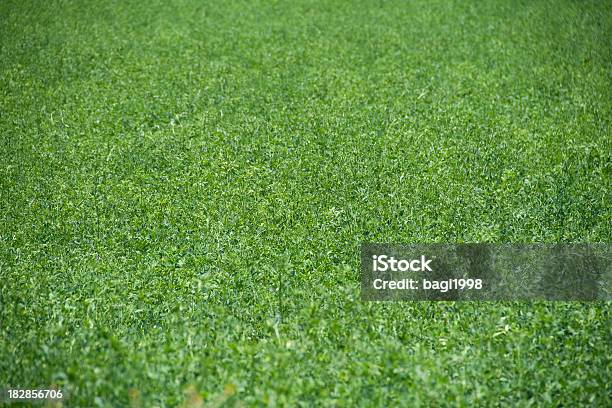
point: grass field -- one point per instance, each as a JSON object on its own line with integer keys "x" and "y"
{"x": 184, "y": 187}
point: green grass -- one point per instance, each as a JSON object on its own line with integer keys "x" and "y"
{"x": 184, "y": 187}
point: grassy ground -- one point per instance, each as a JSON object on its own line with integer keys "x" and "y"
{"x": 184, "y": 187}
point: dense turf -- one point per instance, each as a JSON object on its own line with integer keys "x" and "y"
{"x": 184, "y": 187}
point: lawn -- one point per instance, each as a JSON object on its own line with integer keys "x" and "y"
{"x": 185, "y": 186}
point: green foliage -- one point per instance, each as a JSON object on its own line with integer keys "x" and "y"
{"x": 184, "y": 187}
